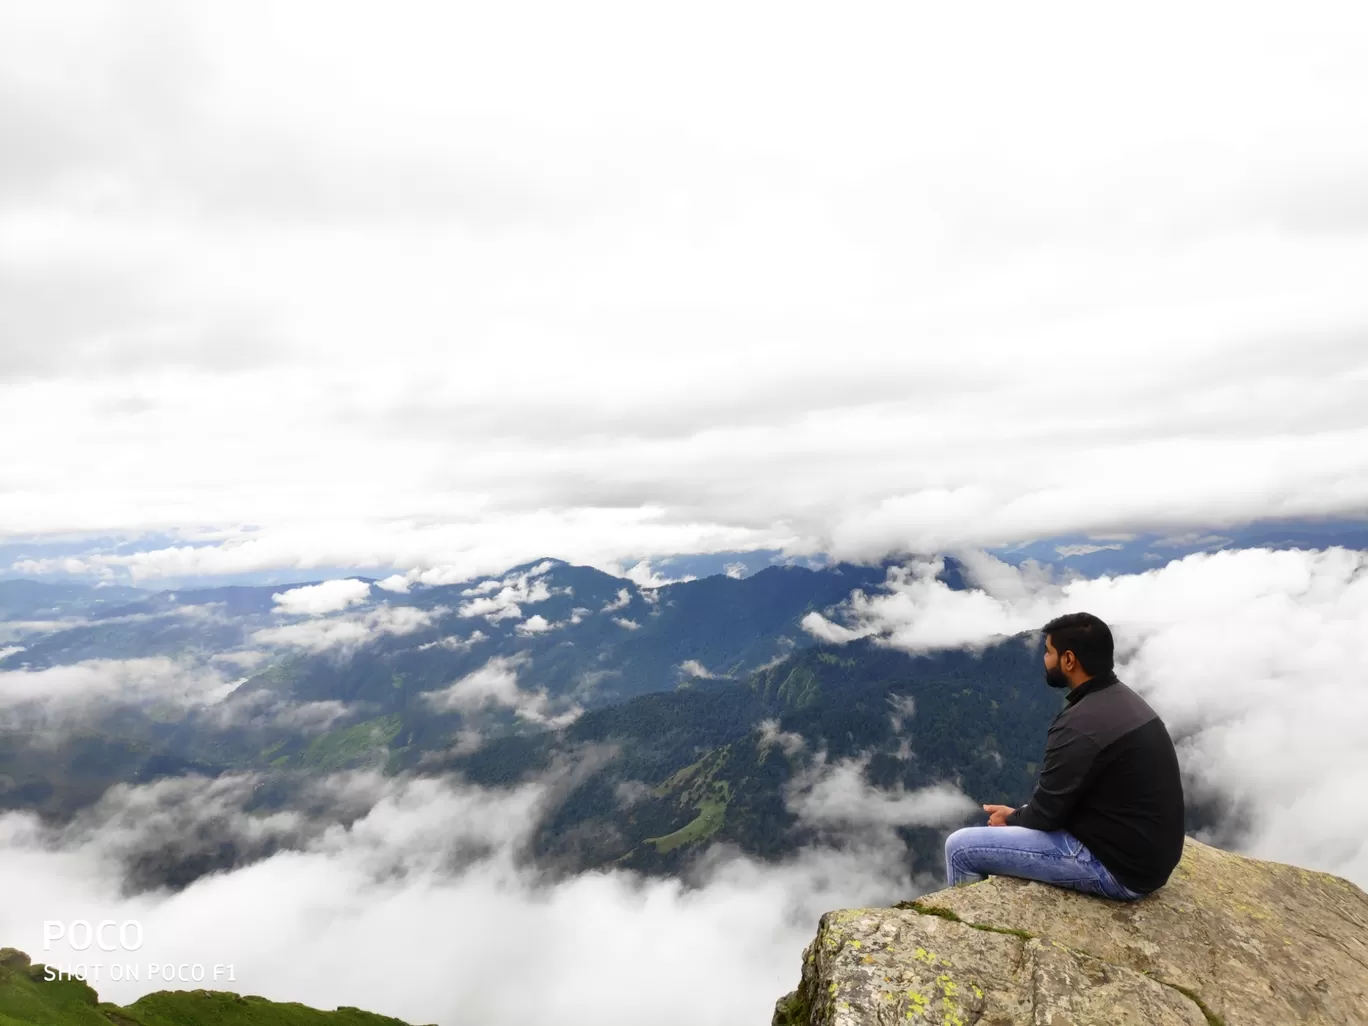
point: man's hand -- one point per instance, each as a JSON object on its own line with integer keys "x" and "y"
{"x": 997, "y": 814}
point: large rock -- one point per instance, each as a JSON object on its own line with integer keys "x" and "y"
{"x": 1230, "y": 940}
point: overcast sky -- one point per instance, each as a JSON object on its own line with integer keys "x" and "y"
{"x": 468, "y": 284}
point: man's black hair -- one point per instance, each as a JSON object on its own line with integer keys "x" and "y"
{"x": 1087, "y": 637}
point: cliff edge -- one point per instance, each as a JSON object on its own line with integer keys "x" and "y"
{"x": 1230, "y": 941}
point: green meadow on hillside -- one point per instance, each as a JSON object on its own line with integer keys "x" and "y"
{"x": 27, "y": 998}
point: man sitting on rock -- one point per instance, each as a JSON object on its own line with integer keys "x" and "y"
{"x": 1106, "y": 817}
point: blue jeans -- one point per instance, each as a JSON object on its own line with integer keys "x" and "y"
{"x": 1054, "y": 857}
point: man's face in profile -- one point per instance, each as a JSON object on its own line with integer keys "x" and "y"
{"x": 1054, "y": 673}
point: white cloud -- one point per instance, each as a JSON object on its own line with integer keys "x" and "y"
{"x": 491, "y": 609}
{"x": 623, "y": 600}
{"x": 173, "y": 813}
{"x": 824, "y": 630}
{"x": 643, "y": 576}
{"x": 1191, "y": 538}
{"x": 623, "y": 621}
{"x": 693, "y": 668}
{"x": 496, "y": 684}
{"x": 266, "y": 708}
{"x": 786, "y": 645}
{"x": 317, "y": 599}
{"x": 309, "y": 717}
{"x": 837, "y": 796}
{"x": 789, "y": 742}
{"x": 901, "y": 709}
{"x": 919, "y": 613}
{"x": 1255, "y": 659}
{"x": 631, "y": 792}
{"x": 397, "y": 583}
{"x": 383, "y": 883}
{"x": 284, "y": 236}
{"x": 176, "y": 235}
{"x": 242, "y": 659}
{"x": 348, "y": 633}
{"x": 484, "y": 587}
{"x": 503, "y": 600}
{"x": 17, "y": 630}
{"x": 456, "y": 644}
{"x": 51, "y": 702}
{"x": 1085, "y": 549}
{"x": 736, "y": 571}
{"x": 536, "y": 624}
{"x": 64, "y": 695}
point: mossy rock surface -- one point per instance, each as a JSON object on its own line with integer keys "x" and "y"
{"x": 1230, "y": 941}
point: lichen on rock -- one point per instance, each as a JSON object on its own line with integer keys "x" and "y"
{"x": 1230, "y": 941}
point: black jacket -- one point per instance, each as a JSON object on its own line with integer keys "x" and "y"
{"x": 1111, "y": 779}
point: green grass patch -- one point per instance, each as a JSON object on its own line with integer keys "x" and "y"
{"x": 28, "y": 998}
{"x": 680, "y": 778}
{"x": 950, "y": 914}
{"x": 1211, "y": 1017}
{"x": 791, "y": 1010}
{"x": 365, "y": 744}
{"x": 712, "y": 813}
{"x": 931, "y": 910}
{"x": 220, "y": 1008}
{"x": 799, "y": 689}
{"x": 988, "y": 927}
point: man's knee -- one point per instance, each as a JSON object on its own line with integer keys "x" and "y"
{"x": 971, "y": 837}
{"x": 960, "y": 861}
{"x": 957, "y": 847}
{"x": 956, "y": 841}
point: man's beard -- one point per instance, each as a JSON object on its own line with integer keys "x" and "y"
{"x": 1055, "y": 678}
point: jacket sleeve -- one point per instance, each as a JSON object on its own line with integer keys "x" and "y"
{"x": 1069, "y": 759}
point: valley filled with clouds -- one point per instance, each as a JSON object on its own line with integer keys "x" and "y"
{"x": 438, "y": 891}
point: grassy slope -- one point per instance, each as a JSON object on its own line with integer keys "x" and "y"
{"x": 712, "y": 813}
{"x": 696, "y": 789}
{"x": 27, "y": 999}
{"x": 363, "y": 744}
{"x": 220, "y": 1008}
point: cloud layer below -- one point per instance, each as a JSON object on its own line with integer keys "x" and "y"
{"x": 491, "y": 941}
{"x": 1253, "y": 657}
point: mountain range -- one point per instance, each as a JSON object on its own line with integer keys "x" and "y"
{"x": 692, "y": 713}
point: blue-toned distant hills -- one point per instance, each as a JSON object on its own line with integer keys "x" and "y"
{"x": 1094, "y": 557}
{"x": 1089, "y": 555}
